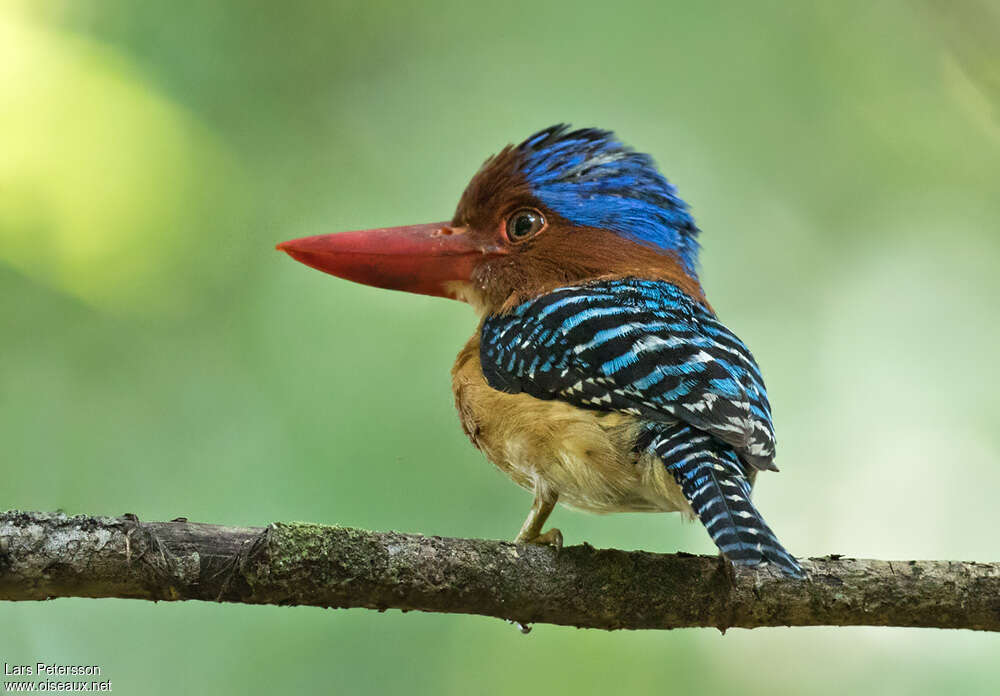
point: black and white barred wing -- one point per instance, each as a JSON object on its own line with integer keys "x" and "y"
{"x": 635, "y": 346}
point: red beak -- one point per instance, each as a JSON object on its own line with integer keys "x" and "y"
{"x": 417, "y": 258}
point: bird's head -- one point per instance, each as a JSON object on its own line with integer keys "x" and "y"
{"x": 562, "y": 207}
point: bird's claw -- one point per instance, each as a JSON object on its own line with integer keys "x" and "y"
{"x": 552, "y": 537}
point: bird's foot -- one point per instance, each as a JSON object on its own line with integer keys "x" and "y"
{"x": 552, "y": 537}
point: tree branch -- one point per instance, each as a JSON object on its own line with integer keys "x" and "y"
{"x": 43, "y": 556}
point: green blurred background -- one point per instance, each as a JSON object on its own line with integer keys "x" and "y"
{"x": 158, "y": 357}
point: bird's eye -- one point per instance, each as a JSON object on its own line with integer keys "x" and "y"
{"x": 523, "y": 224}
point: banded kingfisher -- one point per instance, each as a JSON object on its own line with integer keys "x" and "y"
{"x": 599, "y": 375}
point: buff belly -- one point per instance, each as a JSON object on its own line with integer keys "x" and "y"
{"x": 586, "y": 457}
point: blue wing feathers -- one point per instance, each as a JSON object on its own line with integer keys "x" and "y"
{"x": 661, "y": 354}
{"x": 645, "y": 348}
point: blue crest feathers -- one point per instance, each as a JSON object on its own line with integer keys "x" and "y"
{"x": 592, "y": 180}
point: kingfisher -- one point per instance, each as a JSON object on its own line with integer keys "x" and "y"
{"x": 599, "y": 375}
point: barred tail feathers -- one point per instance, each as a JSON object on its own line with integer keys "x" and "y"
{"x": 712, "y": 479}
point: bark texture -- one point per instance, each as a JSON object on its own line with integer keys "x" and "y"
{"x": 44, "y": 556}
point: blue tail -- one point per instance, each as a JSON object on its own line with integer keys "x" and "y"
{"x": 716, "y": 484}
